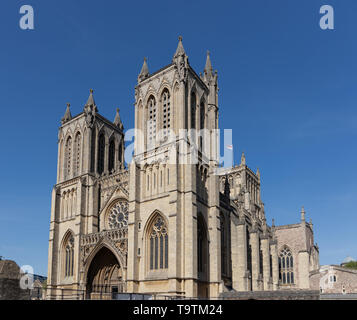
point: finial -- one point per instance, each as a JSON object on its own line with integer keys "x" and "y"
{"x": 258, "y": 173}
{"x": 144, "y": 73}
{"x": 91, "y": 90}
{"x": 273, "y": 222}
{"x": 117, "y": 120}
{"x": 67, "y": 115}
{"x": 242, "y": 159}
{"x": 180, "y": 51}
{"x": 303, "y": 213}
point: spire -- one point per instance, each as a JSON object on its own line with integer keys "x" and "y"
{"x": 273, "y": 223}
{"x": 67, "y": 115}
{"x": 258, "y": 174}
{"x": 90, "y": 109}
{"x": 303, "y": 214}
{"x": 242, "y": 159}
{"x": 117, "y": 120}
{"x": 90, "y": 101}
{"x": 180, "y": 51}
{"x": 144, "y": 73}
{"x": 208, "y": 67}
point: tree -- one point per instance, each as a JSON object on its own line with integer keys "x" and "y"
{"x": 351, "y": 265}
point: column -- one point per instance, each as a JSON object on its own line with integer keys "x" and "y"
{"x": 275, "y": 265}
{"x": 266, "y": 262}
{"x": 240, "y": 275}
{"x": 254, "y": 240}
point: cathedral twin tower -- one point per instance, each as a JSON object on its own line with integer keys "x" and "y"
{"x": 159, "y": 226}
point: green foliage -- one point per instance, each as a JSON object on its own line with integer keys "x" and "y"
{"x": 44, "y": 284}
{"x": 351, "y": 265}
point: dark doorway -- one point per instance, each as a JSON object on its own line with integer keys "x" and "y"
{"x": 105, "y": 277}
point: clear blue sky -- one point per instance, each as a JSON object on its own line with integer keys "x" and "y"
{"x": 287, "y": 89}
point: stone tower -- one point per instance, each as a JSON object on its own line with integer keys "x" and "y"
{"x": 182, "y": 192}
{"x": 90, "y": 149}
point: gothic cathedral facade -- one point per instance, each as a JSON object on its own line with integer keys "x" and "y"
{"x": 160, "y": 225}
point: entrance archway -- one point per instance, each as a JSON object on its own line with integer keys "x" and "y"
{"x": 105, "y": 276}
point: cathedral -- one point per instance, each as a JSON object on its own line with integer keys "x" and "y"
{"x": 171, "y": 221}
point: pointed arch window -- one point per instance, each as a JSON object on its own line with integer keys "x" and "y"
{"x": 77, "y": 154}
{"x": 223, "y": 245}
{"x": 158, "y": 245}
{"x": 111, "y": 155}
{"x": 202, "y": 122}
{"x": 202, "y": 247}
{"x": 286, "y": 266}
{"x": 202, "y": 115}
{"x": 69, "y": 257}
{"x": 68, "y": 157}
{"x": 166, "y": 112}
{"x": 101, "y": 152}
{"x": 151, "y": 126}
{"x": 193, "y": 110}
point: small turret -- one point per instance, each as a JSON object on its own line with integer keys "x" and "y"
{"x": 90, "y": 109}
{"x": 258, "y": 174}
{"x": 144, "y": 73}
{"x": 180, "y": 51}
{"x": 242, "y": 159}
{"x": 180, "y": 59}
{"x": 67, "y": 116}
{"x": 303, "y": 214}
{"x": 117, "y": 120}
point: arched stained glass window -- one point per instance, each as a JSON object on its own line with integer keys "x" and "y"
{"x": 158, "y": 248}
{"x": 286, "y": 266}
{"x": 69, "y": 257}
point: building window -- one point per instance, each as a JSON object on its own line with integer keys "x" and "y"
{"x": 223, "y": 245}
{"x": 193, "y": 110}
{"x": 69, "y": 257}
{"x": 158, "y": 248}
{"x": 77, "y": 163}
{"x": 166, "y": 112}
{"x": 111, "y": 155}
{"x": 260, "y": 258}
{"x": 249, "y": 251}
{"x": 151, "y": 121}
{"x": 286, "y": 266}
{"x": 68, "y": 157}
{"x": 101, "y": 152}
{"x": 202, "y": 123}
{"x": 202, "y": 246}
{"x": 118, "y": 216}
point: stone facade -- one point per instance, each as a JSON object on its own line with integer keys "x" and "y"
{"x": 163, "y": 225}
{"x": 331, "y": 279}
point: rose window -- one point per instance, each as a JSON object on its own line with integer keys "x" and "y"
{"x": 118, "y": 216}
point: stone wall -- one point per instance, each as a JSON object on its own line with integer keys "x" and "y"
{"x": 272, "y": 295}
{"x": 10, "y": 282}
